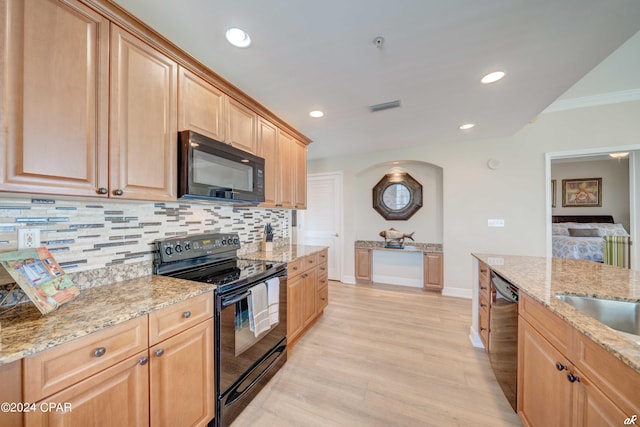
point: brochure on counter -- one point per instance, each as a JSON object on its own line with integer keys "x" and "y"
{"x": 40, "y": 277}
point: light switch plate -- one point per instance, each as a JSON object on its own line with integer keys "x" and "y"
{"x": 495, "y": 223}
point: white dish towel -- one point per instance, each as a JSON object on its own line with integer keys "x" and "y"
{"x": 273, "y": 291}
{"x": 258, "y": 309}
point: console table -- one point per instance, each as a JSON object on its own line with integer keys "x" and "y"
{"x": 431, "y": 261}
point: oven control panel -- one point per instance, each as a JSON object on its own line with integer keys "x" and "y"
{"x": 194, "y": 246}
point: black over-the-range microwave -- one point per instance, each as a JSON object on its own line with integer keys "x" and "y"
{"x": 215, "y": 171}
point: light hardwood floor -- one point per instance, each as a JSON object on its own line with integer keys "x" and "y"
{"x": 384, "y": 356}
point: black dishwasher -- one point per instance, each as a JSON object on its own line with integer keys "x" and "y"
{"x": 503, "y": 335}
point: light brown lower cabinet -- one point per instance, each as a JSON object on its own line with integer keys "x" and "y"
{"x": 363, "y": 265}
{"x": 432, "y": 274}
{"x": 11, "y": 391}
{"x": 117, "y": 396}
{"x": 565, "y": 378}
{"x": 181, "y": 378}
{"x": 126, "y": 376}
{"x": 307, "y": 293}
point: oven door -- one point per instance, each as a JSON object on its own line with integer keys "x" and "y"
{"x": 240, "y": 350}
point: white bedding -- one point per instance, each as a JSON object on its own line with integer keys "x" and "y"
{"x": 589, "y": 248}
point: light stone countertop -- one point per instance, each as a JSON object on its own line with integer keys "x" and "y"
{"x": 24, "y": 331}
{"x": 543, "y": 278}
{"x": 286, "y": 253}
{"x": 409, "y": 246}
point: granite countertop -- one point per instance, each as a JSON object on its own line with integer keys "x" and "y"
{"x": 286, "y": 253}
{"x": 543, "y": 278}
{"x": 24, "y": 331}
{"x": 408, "y": 247}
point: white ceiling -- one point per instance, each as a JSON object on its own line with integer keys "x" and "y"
{"x": 320, "y": 55}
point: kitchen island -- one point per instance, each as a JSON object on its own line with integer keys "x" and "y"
{"x": 571, "y": 369}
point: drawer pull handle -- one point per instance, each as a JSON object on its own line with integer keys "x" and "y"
{"x": 143, "y": 360}
{"x": 572, "y": 378}
{"x": 483, "y": 305}
{"x": 99, "y": 352}
{"x": 483, "y": 287}
{"x": 560, "y": 367}
{"x": 482, "y": 329}
{"x": 186, "y": 314}
{"x": 310, "y": 261}
{"x": 159, "y": 352}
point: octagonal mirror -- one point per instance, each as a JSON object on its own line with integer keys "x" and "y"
{"x": 397, "y": 196}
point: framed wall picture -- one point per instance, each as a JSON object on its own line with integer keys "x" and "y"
{"x": 581, "y": 192}
{"x": 553, "y": 193}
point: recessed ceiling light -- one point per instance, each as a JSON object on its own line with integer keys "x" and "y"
{"x": 238, "y": 37}
{"x": 316, "y": 114}
{"x": 466, "y": 126}
{"x": 492, "y": 77}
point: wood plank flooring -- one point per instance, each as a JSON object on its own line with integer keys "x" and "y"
{"x": 384, "y": 356}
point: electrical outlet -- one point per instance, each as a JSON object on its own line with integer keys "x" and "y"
{"x": 28, "y": 238}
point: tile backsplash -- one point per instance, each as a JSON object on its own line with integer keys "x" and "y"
{"x": 94, "y": 234}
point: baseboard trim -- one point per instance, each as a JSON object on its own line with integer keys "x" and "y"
{"x": 402, "y": 281}
{"x": 457, "y": 292}
{"x": 475, "y": 338}
{"x": 349, "y": 280}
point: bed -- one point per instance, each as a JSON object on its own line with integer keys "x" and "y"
{"x": 590, "y": 237}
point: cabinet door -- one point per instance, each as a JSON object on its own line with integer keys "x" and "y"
{"x": 241, "y": 126}
{"x": 268, "y": 149}
{"x": 200, "y": 106}
{"x": 181, "y": 378}
{"x": 115, "y": 397}
{"x": 11, "y": 391}
{"x": 295, "y": 322}
{"x": 300, "y": 159}
{"x": 594, "y": 408}
{"x": 432, "y": 272}
{"x": 309, "y": 294}
{"x": 286, "y": 170}
{"x": 544, "y": 392}
{"x": 323, "y": 291}
{"x": 363, "y": 265}
{"x": 143, "y": 133}
{"x": 53, "y": 98}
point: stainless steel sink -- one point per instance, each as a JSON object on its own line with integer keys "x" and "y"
{"x": 623, "y": 316}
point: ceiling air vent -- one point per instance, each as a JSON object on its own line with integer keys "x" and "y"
{"x": 384, "y": 106}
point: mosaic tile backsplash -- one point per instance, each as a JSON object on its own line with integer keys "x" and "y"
{"x": 102, "y": 234}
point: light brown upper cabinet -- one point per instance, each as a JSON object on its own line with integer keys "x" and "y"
{"x": 54, "y": 98}
{"x": 300, "y": 183}
{"x": 241, "y": 126}
{"x": 201, "y": 106}
{"x": 268, "y": 145}
{"x": 286, "y": 171}
{"x": 143, "y": 129}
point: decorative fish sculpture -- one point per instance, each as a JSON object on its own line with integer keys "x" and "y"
{"x": 393, "y": 234}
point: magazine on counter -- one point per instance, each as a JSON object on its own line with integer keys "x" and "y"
{"x": 40, "y": 277}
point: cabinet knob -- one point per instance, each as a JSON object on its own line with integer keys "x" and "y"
{"x": 102, "y": 190}
{"x": 159, "y": 352}
{"x": 483, "y": 287}
{"x": 572, "y": 378}
{"x": 118, "y": 192}
{"x": 143, "y": 360}
{"x": 560, "y": 366}
{"x": 483, "y": 305}
{"x": 99, "y": 352}
{"x": 482, "y": 329}
{"x": 186, "y": 314}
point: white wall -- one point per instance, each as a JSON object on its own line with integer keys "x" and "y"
{"x": 426, "y": 222}
{"x": 472, "y": 193}
{"x": 615, "y": 187}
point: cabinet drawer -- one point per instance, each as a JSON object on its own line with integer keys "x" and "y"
{"x": 323, "y": 268}
{"x": 483, "y": 272}
{"x": 483, "y": 328}
{"x": 553, "y": 328}
{"x": 323, "y": 296}
{"x": 295, "y": 267}
{"x": 52, "y": 370}
{"x": 178, "y": 317}
{"x": 323, "y": 256}
{"x": 310, "y": 261}
{"x": 483, "y": 304}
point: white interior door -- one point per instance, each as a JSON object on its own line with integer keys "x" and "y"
{"x": 321, "y": 223}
